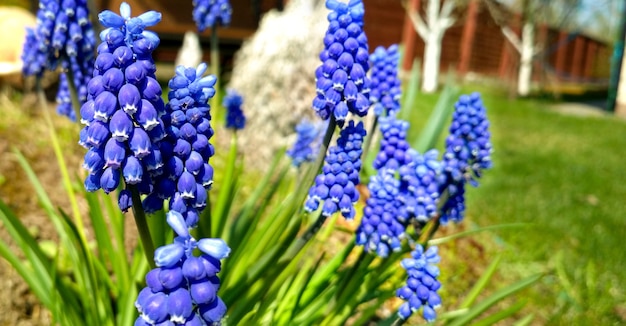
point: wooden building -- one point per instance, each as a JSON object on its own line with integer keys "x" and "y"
{"x": 474, "y": 44}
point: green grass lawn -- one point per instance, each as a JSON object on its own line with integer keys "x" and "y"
{"x": 564, "y": 176}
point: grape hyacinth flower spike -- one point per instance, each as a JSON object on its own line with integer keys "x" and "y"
{"x": 309, "y": 137}
{"x": 63, "y": 36}
{"x": 187, "y": 173}
{"x": 386, "y": 92}
{"x": 380, "y": 230}
{"x": 235, "y": 119}
{"x": 342, "y": 83}
{"x": 393, "y": 146}
{"x": 210, "y": 13}
{"x": 422, "y": 285}
{"x": 468, "y": 153}
{"x": 182, "y": 289}
{"x": 419, "y": 189}
{"x": 336, "y": 186}
{"x": 122, "y": 116}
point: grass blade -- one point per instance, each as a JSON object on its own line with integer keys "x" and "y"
{"x": 482, "y": 282}
{"x": 495, "y": 298}
{"x": 438, "y": 119}
{"x": 500, "y": 315}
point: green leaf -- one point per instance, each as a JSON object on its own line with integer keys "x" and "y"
{"x": 500, "y": 315}
{"x": 481, "y": 284}
{"x": 411, "y": 91}
{"x": 525, "y": 321}
{"x": 438, "y": 241}
{"x": 225, "y": 197}
{"x": 481, "y": 307}
{"x": 438, "y": 119}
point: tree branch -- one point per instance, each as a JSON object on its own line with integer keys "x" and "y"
{"x": 418, "y": 22}
{"x": 512, "y": 37}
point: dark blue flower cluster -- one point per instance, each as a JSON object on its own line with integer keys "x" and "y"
{"x": 124, "y": 107}
{"x": 341, "y": 81}
{"x": 234, "y": 114}
{"x": 308, "y": 141}
{"x": 210, "y": 13}
{"x": 336, "y": 186}
{"x": 468, "y": 153}
{"x": 380, "y": 230}
{"x": 64, "y": 35}
{"x": 395, "y": 203}
{"x": 419, "y": 190}
{"x": 393, "y": 145}
{"x": 186, "y": 149}
{"x": 386, "y": 91}
{"x": 64, "y": 99}
{"x": 422, "y": 285}
{"x": 182, "y": 290}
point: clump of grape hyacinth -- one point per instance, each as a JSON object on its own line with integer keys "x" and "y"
{"x": 63, "y": 36}
{"x": 308, "y": 141}
{"x": 420, "y": 291}
{"x": 419, "y": 190}
{"x": 336, "y": 186}
{"x": 124, "y": 108}
{"x": 386, "y": 92}
{"x": 188, "y": 174}
{"x": 380, "y": 230}
{"x": 468, "y": 153}
{"x": 182, "y": 289}
{"x": 210, "y": 13}
{"x": 341, "y": 81}
{"x": 393, "y": 145}
{"x": 235, "y": 118}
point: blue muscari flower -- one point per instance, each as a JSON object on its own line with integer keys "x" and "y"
{"x": 187, "y": 173}
{"x": 234, "y": 114}
{"x": 64, "y": 101}
{"x": 122, "y": 115}
{"x": 63, "y": 35}
{"x": 386, "y": 92}
{"x": 132, "y": 28}
{"x": 454, "y": 207}
{"x": 342, "y": 83}
{"x": 210, "y": 13}
{"x": 421, "y": 285}
{"x": 419, "y": 189}
{"x": 393, "y": 146}
{"x": 336, "y": 186}
{"x": 380, "y": 230}
{"x": 308, "y": 141}
{"x": 182, "y": 289}
{"x": 468, "y": 153}
{"x": 33, "y": 57}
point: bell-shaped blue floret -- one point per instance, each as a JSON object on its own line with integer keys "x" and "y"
{"x": 168, "y": 255}
{"x": 215, "y": 248}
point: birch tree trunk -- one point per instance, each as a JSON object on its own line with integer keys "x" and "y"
{"x": 527, "y": 51}
{"x": 432, "y": 56}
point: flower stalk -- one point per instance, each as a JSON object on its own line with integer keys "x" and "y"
{"x": 142, "y": 225}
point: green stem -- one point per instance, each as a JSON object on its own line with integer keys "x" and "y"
{"x": 368, "y": 140}
{"x": 319, "y": 162}
{"x": 399, "y": 321}
{"x": 73, "y": 93}
{"x": 433, "y": 225}
{"x": 215, "y": 66}
{"x": 142, "y": 225}
{"x": 65, "y": 176}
